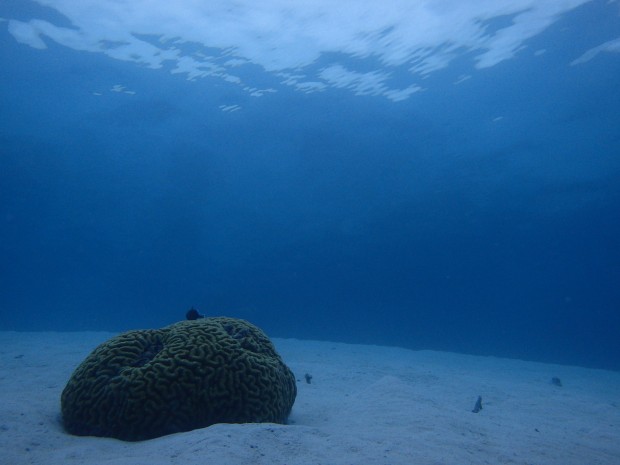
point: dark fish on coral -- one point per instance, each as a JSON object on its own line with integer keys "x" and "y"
{"x": 193, "y": 314}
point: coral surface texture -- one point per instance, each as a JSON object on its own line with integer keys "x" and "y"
{"x": 148, "y": 383}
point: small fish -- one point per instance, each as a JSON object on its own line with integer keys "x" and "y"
{"x": 193, "y": 314}
{"x": 478, "y": 405}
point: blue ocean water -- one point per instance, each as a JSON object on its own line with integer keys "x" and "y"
{"x": 441, "y": 176}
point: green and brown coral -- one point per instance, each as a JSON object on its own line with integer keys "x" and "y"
{"x": 149, "y": 383}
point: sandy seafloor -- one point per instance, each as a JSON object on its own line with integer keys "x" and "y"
{"x": 365, "y": 405}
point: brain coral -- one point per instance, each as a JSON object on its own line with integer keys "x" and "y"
{"x": 149, "y": 383}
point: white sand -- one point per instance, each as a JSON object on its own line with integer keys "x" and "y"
{"x": 366, "y": 405}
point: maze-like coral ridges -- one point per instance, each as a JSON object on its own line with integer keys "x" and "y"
{"x": 149, "y": 383}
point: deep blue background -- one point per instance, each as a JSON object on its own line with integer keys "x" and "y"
{"x": 423, "y": 223}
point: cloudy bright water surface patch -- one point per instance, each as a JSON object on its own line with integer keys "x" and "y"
{"x": 284, "y": 38}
